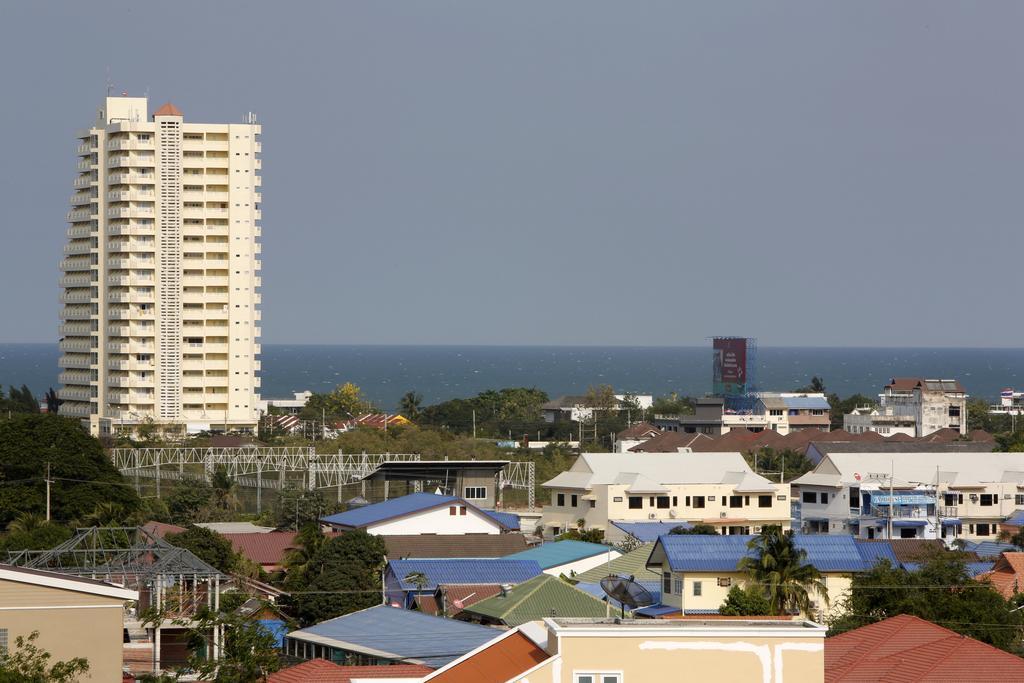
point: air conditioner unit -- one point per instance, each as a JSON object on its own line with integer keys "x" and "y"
{"x": 974, "y": 497}
{"x": 757, "y": 529}
{"x": 1006, "y": 496}
{"x": 673, "y": 514}
{"x": 651, "y": 515}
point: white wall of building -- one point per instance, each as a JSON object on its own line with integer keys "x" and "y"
{"x": 439, "y": 521}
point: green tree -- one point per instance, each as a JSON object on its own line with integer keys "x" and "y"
{"x": 34, "y": 536}
{"x": 187, "y": 503}
{"x": 106, "y": 514}
{"x": 208, "y": 546}
{"x": 82, "y": 472}
{"x": 343, "y": 577}
{"x": 343, "y": 402}
{"x": 410, "y": 405}
{"x": 815, "y": 386}
{"x": 699, "y": 529}
{"x": 781, "y": 569}
{"x": 249, "y": 654}
{"x": 295, "y": 507}
{"x": 745, "y": 602}
{"x": 297, "y": 560}
{"x": 225, "y": 491}
{"x": 672, "y": 404}
{"x": 941, "y": 591}
{"x": 582, "y": 534}
{"x": 29, "y": 663}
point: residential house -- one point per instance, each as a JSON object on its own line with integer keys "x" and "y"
{"x": 635, "y": 435}
{"x": 1010, "y": 403}
{"x": 534, "y": 599}
{"x": 75, "y": 617}
{"x": 632, "y": 565}
{"x": 406, "y": 579}
{"x": 268, "y": 550}
{"x": 946, "y": 495}
{"x": 781, "y": 412}
{"x": 421, "y": 513}
{"x": 628, "y": 650}
{"x": 908, "y": 648}
{"x": 698, "y": 570}
{"x": 386, "y": 635}
{"x": 1007, "y": 574}
{"x": 712, "y": 488}
{"x": 913, "y": 406}
{"x": 574, "y": 409}
{"x": 568, "y": 557}
{"x": 670, "y": 442}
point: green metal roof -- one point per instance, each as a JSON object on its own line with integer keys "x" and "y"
{"x": 540, "y": 597}
{"x": 633, "y": 563}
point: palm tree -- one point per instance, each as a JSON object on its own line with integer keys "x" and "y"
{"x": 782, "y": 570}
{"x": 26, "y": 522}
{"x": 410, "y": 405}
{"x": 105, "y": 514}
{"x": 307, "y": 542}
{"x": 224, "y": 489}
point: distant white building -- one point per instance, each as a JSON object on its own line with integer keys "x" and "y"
{"x": 1010, "y": 403}
{"x": 287, "y": 406}
{"x": 783, "y": 412}
{"x": 577, "y": 408}
{"x": 913, "y": 406}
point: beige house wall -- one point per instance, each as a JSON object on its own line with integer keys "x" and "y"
{"x": 611, "y": 501}
{"x": 70, "y": 625}
{"x": 676, "y": 657}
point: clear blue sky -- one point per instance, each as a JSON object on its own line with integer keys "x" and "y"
{"x": 651, "y": 173}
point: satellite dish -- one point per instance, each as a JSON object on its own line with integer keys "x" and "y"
{"x": 627, "y": 592}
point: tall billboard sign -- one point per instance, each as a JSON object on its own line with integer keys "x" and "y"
{"x": 730, "y": 369}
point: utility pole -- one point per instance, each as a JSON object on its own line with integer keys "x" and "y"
{"x": 48, "y": 482}
{"x": 892, "y": 475}
{"x": 474, "y": 424}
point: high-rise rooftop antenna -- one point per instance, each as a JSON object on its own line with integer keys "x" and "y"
{"x": 110, "y": 86}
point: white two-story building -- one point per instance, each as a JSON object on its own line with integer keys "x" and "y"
{"x": 718, "y": 489}
{"x": 945, "y": 495}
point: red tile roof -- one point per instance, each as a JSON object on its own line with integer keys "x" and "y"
{"x": 265, "y": 549}
{"x": 160, "y": 529}
{"x": 168, "y": 109}
{"x": 907, "y": 648}
{"x": 322, "y": 671}
{"x": 1007, "y": 575}
{"x": 503, "y": 659}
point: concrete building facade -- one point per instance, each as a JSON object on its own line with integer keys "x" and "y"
{"x": 913, "y": 406}
{"x": 160, "y": 277}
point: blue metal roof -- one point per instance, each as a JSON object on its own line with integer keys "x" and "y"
{"x": 806, "y": 402}
{"x": 509, "y": 520}
{"x": 648, "y": 532}
{"x": 827, "y": 552}
{"x": 360, "y": 517}
{"x": 989, "y": 548}
{"x": 1016, "y": 519}
{"x": 557, "y": 553}
{"x": 389, "y": 509}
{"x": 461, "y": 571}
{"x": 874, "y": 551}
{"x": 975, "y": 568}
{"x": 401, "y": 634}
{"x": 950, "y": 521}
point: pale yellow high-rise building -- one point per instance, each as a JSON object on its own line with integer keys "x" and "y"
{"x": 160, "y": 275}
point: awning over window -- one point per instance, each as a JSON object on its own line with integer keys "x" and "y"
{"x": 951, "y": 522}
{"x": 902, "y": 523}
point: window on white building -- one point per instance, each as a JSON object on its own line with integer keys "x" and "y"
{"x": 598, "y": 678}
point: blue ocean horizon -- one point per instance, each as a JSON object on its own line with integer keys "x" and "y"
{"x": 439, "y": 373}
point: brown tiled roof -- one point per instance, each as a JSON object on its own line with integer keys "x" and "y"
{"x": 907, "y": 648}
{"x": 670, "y": 442}
{"x": 168, "y": 109}
{"x": 980, "y": 435}
{"x": 457, "y": 597}
{"x": 912, "y": 549}
{"x": 504, "y": 659}
{"x": 941, "y": 436}
{"x": 639, "y": 431}
{"x": 900, "y": 436}
{"x": 323, "y": 671}
{"x": 265, "y": 549}
{"x": 466, "y": 545}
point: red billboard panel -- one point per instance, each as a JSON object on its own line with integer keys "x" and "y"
{"x": 730, "y": 374}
